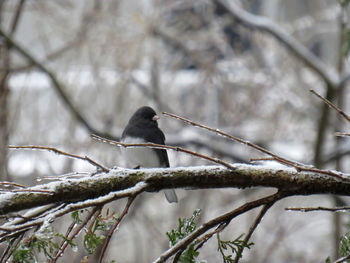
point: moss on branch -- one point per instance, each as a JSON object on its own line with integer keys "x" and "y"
{"x": 242, "y": 176}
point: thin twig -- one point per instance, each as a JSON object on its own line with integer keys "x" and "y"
{"x": 29, "y": 190}
{"x": 251, "y": 230}
{"x": 342, "y": 134}
{"x": 298, "y": 166}
{"x": 330, "y": 104}
{"x": 11, "y": 248}
{"x": 120, "y": 218}
{"x": 12, "y": 184}
{"x": 319, "y": 208}
{"x": 51, "y": 149}
{"x": 261, "y": 159}
{"x": 76, "y": 232}
{"x": 206, "y": 237}
{"x": 342, "y": 259}
{"x": 161, "y": 146}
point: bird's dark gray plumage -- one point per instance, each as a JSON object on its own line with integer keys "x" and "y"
{"x": 143, "y": 127}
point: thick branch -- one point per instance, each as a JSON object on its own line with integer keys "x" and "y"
{"x": 239, "y": 176}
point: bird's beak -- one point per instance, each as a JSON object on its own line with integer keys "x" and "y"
{"x": 155, "y": 118}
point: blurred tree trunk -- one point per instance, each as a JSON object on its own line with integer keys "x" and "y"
{"x": 5, "y": 48}
{"x": 4, "y": 95}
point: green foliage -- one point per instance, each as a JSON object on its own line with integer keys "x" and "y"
{"x": 44, "y": 243}
{"x": 76, "y": 218}
{"x": 23, "y": 254}
{"x": 236, "y": 246}
{"x": 344, "y": 3}
{"x": 186, "y": 226}
{"x": 91, "y": 239}
{"x": 344, "y": 249}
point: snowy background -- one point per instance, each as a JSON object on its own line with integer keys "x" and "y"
{"x": 187, "y": 58}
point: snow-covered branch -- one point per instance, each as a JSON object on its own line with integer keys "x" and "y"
{"x": 240, "y": 176}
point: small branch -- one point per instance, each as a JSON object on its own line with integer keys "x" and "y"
{"x": 120, "y": 218}
{"x": 319, "y": 208}
{"x": 76, "y": 232}
{"x": 28, "y": 190}
{"x": 252, "y": 229}
{"x": 56, "y": 84}
{"x": 216, "y": 221}
{"x": 342, "y": 134}
{"x": 12, "y": 246}
{"x": 342, "y": 259}
{"x": 51, "y": 149}
{"x": 161, "y": 146}
{"x": 7, "y": 184}
{"x": 296, "y": 165}
{"x": 17, "y": 16}
{"x": 330, "y": 104}
{"x": 138, "y": 188}
{"x": 206, "y": 237}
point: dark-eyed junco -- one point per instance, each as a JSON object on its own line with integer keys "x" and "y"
{"x": 142, "y": 128}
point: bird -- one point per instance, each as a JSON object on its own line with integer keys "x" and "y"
{"x": 143, "y": 128}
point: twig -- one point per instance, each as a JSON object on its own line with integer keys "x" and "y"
{"x": 330, "y": 104}
{"x": 120, "y": 218}
{"x": 342, "y": 134}
{"x": 206, "y": 237}
{"x": 261, "y": 159}
{"x": 296, "y": 165}
{"x": 17, "y": 16}
{"x": 251, "y": 230}
{"x": 12, "y": 184}
{"x": 319, "y": 208}
{"x": 29, "y": 190}
{"x": 11, "y": 248}
{"x": 76, "y": 232}
{"x": 161, "y": 146}
{"x": 342, "y": 259}
{"x": 216, "y": 221}
{"x": 51, "y": 149}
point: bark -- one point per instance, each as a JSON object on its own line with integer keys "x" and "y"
{"x": 4, "y": 95}
{"x": 241, "y": 176}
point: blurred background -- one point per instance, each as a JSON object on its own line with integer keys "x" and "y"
{"x": 193, "y": 59}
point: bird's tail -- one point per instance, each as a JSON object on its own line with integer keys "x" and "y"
{"x": 170, "y": 195}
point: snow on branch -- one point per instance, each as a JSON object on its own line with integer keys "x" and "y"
{"x": 117, "y": 180}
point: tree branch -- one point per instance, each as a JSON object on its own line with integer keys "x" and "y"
{"x": 227, "y": 217}
{"x": 329, "y": 75}
{"x": 239, "y": 176}
{"x": 252, "y": 229}
{"x": 56, "y": 84}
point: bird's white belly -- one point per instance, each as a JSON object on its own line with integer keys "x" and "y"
{"x": 139, "y": 157}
